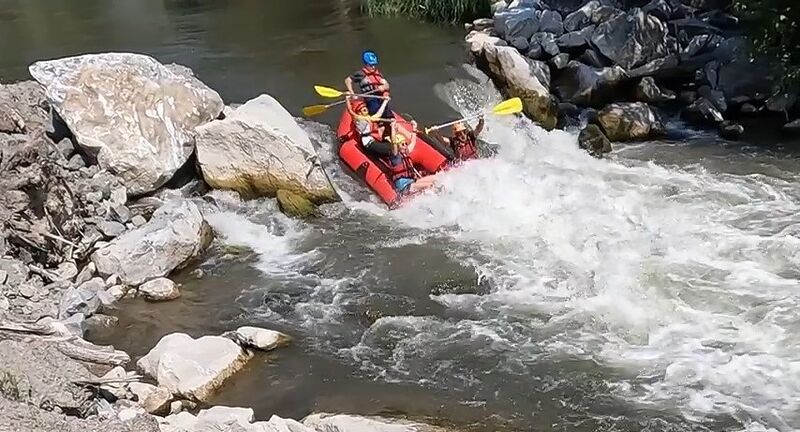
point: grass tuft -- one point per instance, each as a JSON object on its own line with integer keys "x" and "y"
{"x": 439, "y": 11}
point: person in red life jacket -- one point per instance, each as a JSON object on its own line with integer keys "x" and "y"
{"x": 371, "y": 130}
{"x": 464, "y": 141}
{"x": 369, "y": 79}
{"x": 405, "y": 176}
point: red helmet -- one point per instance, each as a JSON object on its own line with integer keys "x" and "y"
{"x": 358, "y": 105}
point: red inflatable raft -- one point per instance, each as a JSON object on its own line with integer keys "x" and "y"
{"x": 374, "y": 171}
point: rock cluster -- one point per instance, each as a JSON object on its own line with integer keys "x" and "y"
{"x": 633, "y": 61}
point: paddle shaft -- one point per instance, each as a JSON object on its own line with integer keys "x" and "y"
{"x": 364, "y": 95}
{"x": 470, "y": 117}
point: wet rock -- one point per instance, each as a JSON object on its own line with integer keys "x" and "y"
{"x": 686, "y": 97}
{"x": 630, "y": 121}
{"x": 583, "y": 85}
{"x": 582, "y": 17}
{"x": 520, "y": 43}
{"x": 792, "y": 128}
{"x": 39, "y": 374}
{"x": 547, "y": 41}
{"x": 730, "y": 130}
{"x": 294, "y": 205}
{"x": 111, "y": 229}
{"x": 748, "y": 108}
{"x": 575, "y": 40}
{"x": 702, "y": 112}
{"x": 716, "y": 97}
{"x": 591, "y": 58}
{"x": 98, "y": 322}
{"x": 100, "y": 96}
{"x": 551, "y": 22}
{"x": 632, "y": 39}
{"x": 193, "y": 368}
{"x": 160, "y": 289}
{"x": 354, "y": 423}
{"x": 707, "y": 5}
{"x": 176, "y": 233}
{"x": 259, "y": 338}
{"x": 560, "y": 61}
{"x": 648, "y": 91}
{"x": 701, "y": 44}
{"x": 535, "y": 52}
{"x": 260, "y": 149}
{"x": 483, "y": 23}
{"x": 659, "y": 67}
{"x": 749, "y": 80}
{"x": 593, "y": 140}
{"x": 513, "y": 23}
{"x": 662, "y": 9}
{"x": 605, "y": 13}
{"x": 781, "y": 103}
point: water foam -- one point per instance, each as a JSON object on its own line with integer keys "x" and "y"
{"x": 685, "y": 278}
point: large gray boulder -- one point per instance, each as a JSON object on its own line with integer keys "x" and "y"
{"x": 176, "y": 233}
{"x": 231, "y": 419}
{"x": 324, "y": 422}
{"x": 582, "y": 17}
{"x": 632, "y": 39}
{"x": 521, "y": 76}
{"x": 630, "y": 121}
{"x": 513, "y": 23}
{"x": 585, "y": 85}
{"x": 135, "y": 115}
{"x": 259, "y": 149}
{"x": 193, "y": 368}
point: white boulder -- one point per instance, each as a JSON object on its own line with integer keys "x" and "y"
{"x": 160, "y": 289}
{"x": 135, "y": 114}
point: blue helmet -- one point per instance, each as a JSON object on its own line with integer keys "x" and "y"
{"x": 369, "y": 58}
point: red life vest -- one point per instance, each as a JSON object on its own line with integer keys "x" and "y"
{"x": 374, "y": 131}
{"x": 404, "y": 169}
{"x": 465, "y": 148}
{"x": 372, "y": 80}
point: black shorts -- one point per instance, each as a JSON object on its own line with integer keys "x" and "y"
{"x": 381, "y": 149}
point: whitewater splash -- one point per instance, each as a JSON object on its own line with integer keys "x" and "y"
{"x": 684, "y": 279}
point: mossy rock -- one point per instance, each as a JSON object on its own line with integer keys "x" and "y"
{"x": 295, "y": 205}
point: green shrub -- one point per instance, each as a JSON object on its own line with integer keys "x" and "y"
{"x": 440, "y": 11}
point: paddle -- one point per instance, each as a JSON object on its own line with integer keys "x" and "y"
{"x": 510, "y": 106}
{"x": 328, "y": 92}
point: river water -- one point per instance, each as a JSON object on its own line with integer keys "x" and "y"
{"x": 539, "y": 289}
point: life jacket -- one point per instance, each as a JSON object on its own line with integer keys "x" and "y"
{"x": 404, "y": 169}
{"x": 465, "y": 148}
{"x": 372, "y": 80}
{"x": 374, "y": 131}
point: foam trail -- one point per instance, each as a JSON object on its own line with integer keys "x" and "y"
{"x": 680, "y": 274}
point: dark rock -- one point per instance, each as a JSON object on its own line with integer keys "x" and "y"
{"x": 716, "y": 97}
{"x": 748, "y": 108}
{"x": 792, "y": 128}
{"x": 632, "y": 39}
{"x": 703, "y": 113}
{"x": 661, "y": 9}
{"x": 499, "y": 5}
{"x": 781, "y": 103}
{"x": 294, "y": 205}
{"x": 584, "y": 85}
{"x": 720, "y": 19}
{"x": 730, "y": 130}
{"x": 707, "y": 5}
{"x": 513, "y": 23}
{"x": 548, "y": 43}
{"x": 535, "y": 51}
{"x": 750, "y": 80}
{"x": 582, "y": 17}
{"x": 575, "y": 40}
{"x": 560, "y": 61}
{"x": 648, "y": 91}
{"x": 593, "y": 140}
{"x": 520, "y": 43}
{"x": 483, "y": 24}
{"x": 630, "y": 121}
{"x": 691, "y": 27}
{"x": 550, "y": 22}
{"x": 564, "y": 7}
{"x": 592, "y": 58}
{"x": 605, "y": 13}
{"x": 701, "y": 44}
{"x": 660, "y": 66}
{"x": 687, "y": 97}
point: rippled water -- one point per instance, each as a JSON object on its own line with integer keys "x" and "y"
{"x": 539, "y": 289}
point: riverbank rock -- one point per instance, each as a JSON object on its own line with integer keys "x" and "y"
{"x": 648, "y": 91}
{"x": 630, "y": 121}
{"x": 40, "y": 375}
{"x": 632, "y": 39}
{"x": 259, "y": 149}
{"x": 730, "y": 130}
{"x": 133, "y": 114}
{"x": 593, "y": 140}
{"x": 294, "y": 205}
{"x": 229, "y": 419}
{"x": 324, "y": 422}
{"x": 160, "y": 289}
{"x": 176, "y": 233}
{"x": 792, "y": 128}
{"x": 584, "y": 85}
{"x": 16, "y": 416}
{"x": 23, "y": 108}
{"x": 259, "y": 338}
{"x": 702, "y": 113}
{"x": 193, "y": 368}
{"x": 520, "y": 76}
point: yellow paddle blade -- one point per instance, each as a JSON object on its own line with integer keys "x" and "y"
{"x": 511, "y": 106}
{"x": 328, "y": 92}
{"x": 313, "y": 110}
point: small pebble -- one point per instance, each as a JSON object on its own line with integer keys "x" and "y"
{"x": 198, "y": 273}
{"x": 26, "y": 291}
{"x": 138, "y": 220}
